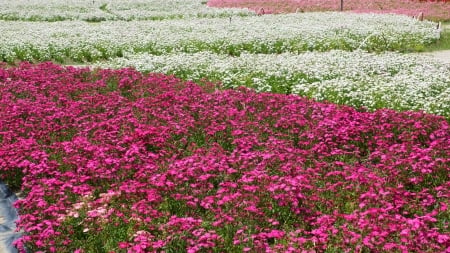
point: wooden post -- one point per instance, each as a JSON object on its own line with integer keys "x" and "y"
{"x": 342, "y": 5}
{"x": 420, "y": 17}
{"x": 261, "y": 11}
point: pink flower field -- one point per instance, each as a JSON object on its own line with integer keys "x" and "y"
{"x": 118, "y": 161}
{"x": 432, "y": 10}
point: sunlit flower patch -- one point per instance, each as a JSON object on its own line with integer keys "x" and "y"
{"x": 86, "y": 42}
{"x": 114, "y": 160}
{"x": 101, "y": 10}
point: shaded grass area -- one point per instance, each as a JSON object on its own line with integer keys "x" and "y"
{"x": 444, "y": 42}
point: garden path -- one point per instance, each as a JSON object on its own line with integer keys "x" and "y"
{"x": 441, "y": 55}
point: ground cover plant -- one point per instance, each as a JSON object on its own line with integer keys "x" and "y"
{"x": 85, "y": 42}
{"x": 375, "y": 81}
{"x": 101, "y": 10}
{"x": 432, "y": 10}
{"x": 114, "y": 160}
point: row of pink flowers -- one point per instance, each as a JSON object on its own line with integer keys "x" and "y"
{"x": 434, "y": 10}
{"x": 117, "y": 161}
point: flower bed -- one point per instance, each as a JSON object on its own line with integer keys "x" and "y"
{"x": 82, "y": 41}
{"x": 113, "y": 160}
{"x": 390, "y": 80}
{"x": 101, "y": 10}
{"x": 432, "y": 10}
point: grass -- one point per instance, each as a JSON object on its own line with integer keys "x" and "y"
{"x": 444, "y": 42}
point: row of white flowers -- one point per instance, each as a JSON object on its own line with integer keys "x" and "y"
{"x": 83, "y": 41}
{"x": 98, "y": 10}
{"x": 392, "y": 80}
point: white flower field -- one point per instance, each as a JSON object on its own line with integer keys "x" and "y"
{"x": 101, "y": 10}
{"x": 84, "y": 41}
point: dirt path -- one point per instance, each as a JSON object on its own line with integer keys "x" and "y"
{"x": 442, "y": 55}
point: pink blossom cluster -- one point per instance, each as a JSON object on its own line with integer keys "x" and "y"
{"x": 118, "y": 161}
{"x": 432, "y": 10}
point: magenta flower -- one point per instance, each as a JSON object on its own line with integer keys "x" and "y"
{"x": 114, "y": 160}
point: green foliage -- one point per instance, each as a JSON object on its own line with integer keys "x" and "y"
{"x": 12, "y": 178}
{"x": 94, "y": 238}
{"x": 444, "y": 42}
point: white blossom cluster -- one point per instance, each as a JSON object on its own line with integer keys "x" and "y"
{"x": 83, "y": 41}
{"x": 387, "y": 80}
{"x": 100, "y": 10}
